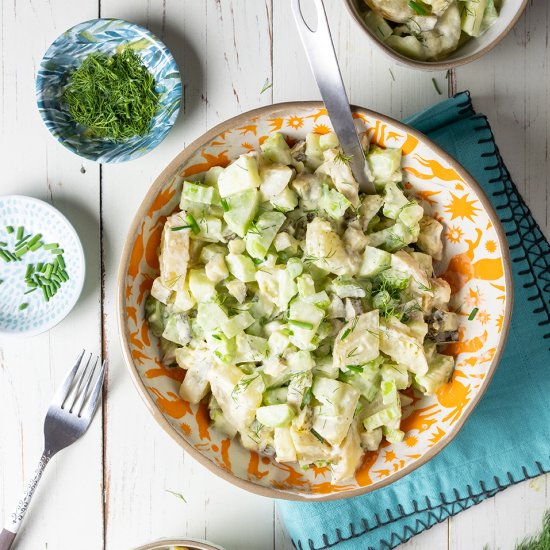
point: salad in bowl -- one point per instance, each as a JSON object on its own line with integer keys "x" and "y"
{"x": 300, "y": 339}
{"x": 301, "y": 308}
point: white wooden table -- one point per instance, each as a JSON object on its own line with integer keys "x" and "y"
{"x": 110, "y": 491}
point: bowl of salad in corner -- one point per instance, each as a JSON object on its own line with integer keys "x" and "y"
{"x": 436, "y": 34}
{"x": 299, "y": 339}
{"x": 108, "y": 90}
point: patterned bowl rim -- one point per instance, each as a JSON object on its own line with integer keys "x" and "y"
{"x": 192, "y": 544}
{"x": 54, "y": 322}
{"x": 187, "y": 153}
{"x": 443, "y": 64}
{"x": 40, "y": 79}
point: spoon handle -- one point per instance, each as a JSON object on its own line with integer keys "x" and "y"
{"x": 324, "y": 64}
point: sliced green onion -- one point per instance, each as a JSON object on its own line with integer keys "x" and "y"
{"x": 4, "y": 256}
{"x": 180, "y": 227}
{"x": 10, "y": 229}
{"x": 36, "y": 246}
{"x": 193, "y": 223}
{"x": 31, "y": 290}
{"x": 21, "y": 242}
{"x": 48, "y": 272}
{"x": 225, "y": 206}
{"x": 346, "y": 334}
{"x": 35, "y": 239}
{"x": 51, "y": 246}
{"x": 19, "y": 234}
{"x": 23, "y": 250}
{"x": 39, "y": 266}
{"x": 57, "y": 251}
{"x": 30, "y": 269}
{"x": 420, "y": 10}
{"x": 355, "y": 368}
{"x": 301, "y": 324}
{"x": 473, "y": 314}
{"x": 23, "y": 306}
{"x": 61, "y": 261}
{"x": 2, "y": 243}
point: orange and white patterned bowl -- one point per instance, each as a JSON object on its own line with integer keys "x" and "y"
{"x": 476, "y": 264}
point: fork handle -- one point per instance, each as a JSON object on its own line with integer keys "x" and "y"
{"x": 7, "y": 536}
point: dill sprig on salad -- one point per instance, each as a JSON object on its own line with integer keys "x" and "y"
{"x": 299, "y": 307}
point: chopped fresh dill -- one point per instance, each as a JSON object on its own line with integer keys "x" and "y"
{"x": 113, "y": 97}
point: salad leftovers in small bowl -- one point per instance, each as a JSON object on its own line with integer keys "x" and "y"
{"x": 436, "y": 34}
{"x": 296, "y": 334}
{"x": 187, "y": 544}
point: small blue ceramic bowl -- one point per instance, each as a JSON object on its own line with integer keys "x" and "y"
{"x": 106, "y": 36}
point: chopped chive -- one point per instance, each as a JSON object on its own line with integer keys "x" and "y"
{"x": 355, "y": 368}
{"x": 21, "y": 251}
{"x": 472, "y": 315}
{"x": 23, "y": 306}
{"x": 51, "y": 246}
{"x": 39, "y": 266}
{"x": 57, "y": 251}
{"x": 301, "y": 324}
{"x": 193, "y": 223}
{"x": 30, "y": 269}
{"x": 19, "y": 234}
{"x": 12, "y": 256}
{"x": 35, "y": 239}
{"x": 4, "y": 256}
{"x": 48, "y": 272}
{"x": 318, "y": 436}
{"x": 21, "y": 242}
{"x": 36, "y": 246}
{"x": 180, "y": 227}
{"x": 31, "y": 284}
{"x": 60, "y": 261}
{"x": 225, "y": 206}
{"x": 420, "y": 10}
{"x": 10, "y": 229}
{"x": 31, "y": 290}
{"x": 346, "y": 334}
{"x": 436, "y": 86}
{"x": 2, "y": 243}
{"x": 45, "y": 293}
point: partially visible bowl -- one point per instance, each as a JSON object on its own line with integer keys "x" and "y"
{"x": 106, "y": 36}
{"x": 476, "y": 264}
{"x": 510, "y": 12}
{"x": 189, "y": 544}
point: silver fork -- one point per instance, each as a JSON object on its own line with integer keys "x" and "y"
{"x": 69, "y": 416}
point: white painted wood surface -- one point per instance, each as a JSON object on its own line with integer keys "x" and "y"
{"x": 110, "y": 491}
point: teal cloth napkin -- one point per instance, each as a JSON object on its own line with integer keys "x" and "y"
{"x": 507, "y": 438}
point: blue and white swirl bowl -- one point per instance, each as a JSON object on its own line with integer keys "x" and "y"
{"x": 69, "y": 50}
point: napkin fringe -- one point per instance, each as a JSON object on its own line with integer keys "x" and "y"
{"x": 533, "y": 249}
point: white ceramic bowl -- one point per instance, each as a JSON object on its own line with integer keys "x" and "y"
{"x": 190, "y": 544}
{"x": 510, "y": 12}
{"x": 37, "y": 216}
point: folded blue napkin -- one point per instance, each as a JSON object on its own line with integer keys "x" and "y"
{"x": 507, "y": 438}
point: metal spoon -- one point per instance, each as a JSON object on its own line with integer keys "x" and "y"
{"x": 322, "y": 58}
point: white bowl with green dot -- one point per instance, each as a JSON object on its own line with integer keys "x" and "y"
{"x": 38, "y": 316}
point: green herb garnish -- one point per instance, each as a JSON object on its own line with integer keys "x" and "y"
{"x": 300, "y": 324}
{"x": 225, "y": 206}
{"x": 193, "y": 224}
{"x": 23, "y": 306}
{"x": 113, "y": 97}
{"x": 420, "y": 10}
{"x": 436, "y": 86}
{"x": 266, "y": 86}
{"x": 473, "y": 314}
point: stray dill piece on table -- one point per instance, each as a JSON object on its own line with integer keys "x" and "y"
{"x": 114, "y": 97}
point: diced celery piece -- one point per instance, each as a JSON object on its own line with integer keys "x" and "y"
{"x": 409, "y": 46}
{"x": 241, "y": 209}
{"x": 201, "y": 287}
{"x": 275, "y": 416}
{"x": 329, "y": 141}
{"x": 177, "y": 329}
{"x": 374, "y": 262}
{"x": 385, "y": 164}
{"x": 212, "y": 174}
{"x": 276, "y": 149}
{"x": 260, "y": 236}
{"x": 394, "y": 201}
{"x": 471, "y": 14}
{"x": 275, "y": 396}
{"x": 237, "y": 324}
{"x": 239, "y": 176}
{"x": 195, "y": 192}
{"x": 393, "y": 435}
{"x": 286, "y": 200}
{"x": 241, "y": 267}
{"x": 334, "y": 203}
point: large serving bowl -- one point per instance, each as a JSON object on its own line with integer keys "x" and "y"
{"x": 509, "y": 14}
{"x": 475, "y": 263}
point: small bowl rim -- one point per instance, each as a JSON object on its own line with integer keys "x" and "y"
{"x": 443, "y": 64}
{"x": 196, "y": 544}
{"x": 138, "y": 152}
{"x": 82, "y": 273}
{"x": 182, "y": 157}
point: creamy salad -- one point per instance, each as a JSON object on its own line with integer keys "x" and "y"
{"x": 300, "y": 308}
{"x": 429, "y": 30}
